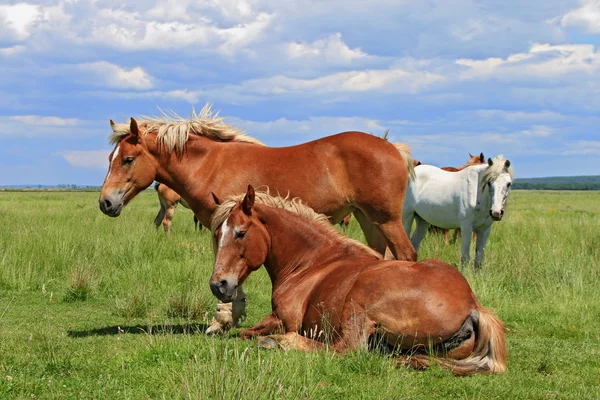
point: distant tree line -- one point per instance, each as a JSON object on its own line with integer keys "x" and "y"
{"x": 559, "y": 183}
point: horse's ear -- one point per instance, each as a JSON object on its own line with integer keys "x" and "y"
{"x": 470, "y": 155}
{"x": 133, "y": 128}
{"x": 248, "y": 201}
{"x": 113, "y": 126}
{"x": 490, "y": 162}
{"x": 216, "y": 199}
{"x": 481, "y": 158}
{"x": 507, "y": 164}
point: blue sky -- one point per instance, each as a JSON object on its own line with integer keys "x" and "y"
{"x": 448, "y": 77}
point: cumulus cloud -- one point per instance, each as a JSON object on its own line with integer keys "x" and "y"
{"x": 17, "y": 20}
{"x": 385, "y": 80}
{"x": 88, "y": 159}
{"x": 116, "y": 77}
{"x": 332, "y": 49}
{"x": 586, "y": 17}
{"x": 541, "y": 61}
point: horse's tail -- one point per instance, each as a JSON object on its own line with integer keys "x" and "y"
{"x": 489, "y": 353}
{"x": 404, "y": 150}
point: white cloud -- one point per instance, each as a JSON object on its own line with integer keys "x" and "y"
{"x": 37, "y": 120}
{"x": 17, "y": 20}
{"x": 114, "y": 76}
{"x": 89, "y": 159}
{"x": 385, "y": 80}
{"x": 332, "y": 49}
{"x": 9, "y": 51}
{"x": 541, "y": 61}
{"x": 586, "y": 17}
{"x": 135, "y": 31}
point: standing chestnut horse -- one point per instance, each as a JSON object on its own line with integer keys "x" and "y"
{"x": 327, "y": 288}
{"x": 169, "y": 199}
{"x": 336, "y": 175}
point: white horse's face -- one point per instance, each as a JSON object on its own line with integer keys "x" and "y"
{"x": 499, "y": 191}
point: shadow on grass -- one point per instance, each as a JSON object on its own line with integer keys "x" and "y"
{"x": 182, "y": 329}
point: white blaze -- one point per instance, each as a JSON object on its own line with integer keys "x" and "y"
{"x": 112, "y": 160}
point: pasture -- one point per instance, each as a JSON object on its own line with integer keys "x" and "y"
{"x": 96, "y": 307}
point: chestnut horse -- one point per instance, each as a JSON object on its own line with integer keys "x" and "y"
{"x": 329, "y": 290}
{"x": 169, "y": 199}
{"x": 473, "y": 160}
{"x": 336, "y": 175}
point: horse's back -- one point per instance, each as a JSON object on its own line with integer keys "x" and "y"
{"x": 349, "y": 165}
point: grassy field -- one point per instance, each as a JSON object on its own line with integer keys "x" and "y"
{"x": 94, "y": 307}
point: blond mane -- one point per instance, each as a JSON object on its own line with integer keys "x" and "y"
{"x": 285, "y": 203}
{"x": 173, "y": 130}
{"x": 492, "y": 172}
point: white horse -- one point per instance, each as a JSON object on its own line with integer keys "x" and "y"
{"x": 470, "y": 199}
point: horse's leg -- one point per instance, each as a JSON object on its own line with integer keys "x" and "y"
{"x": 375, "y": 239}
{"x": 481, "y": 239}
{"x": 160, "y": 216}
{"x": 270, "y": 325}
{"x": 229, "y": 314}
{"x": 456, "y": 235}
{"x": 196, "y": 223}
{"x": 446, "y": 232}
{"x": 169, "y": 217}
{"x": 466, "y": 232}
{"x": 420, "y": 232}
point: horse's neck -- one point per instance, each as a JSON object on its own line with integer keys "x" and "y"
{"x": 182, "y": 173}
{"x": 298, "y": 244}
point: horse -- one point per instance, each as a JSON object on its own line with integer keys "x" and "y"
{"x": 168, "y": 199}
{"x": 471, "y": 199}
{"x": 350, "y": 172}
{"x": 329, "y": 291}
{"x": 473, "y": 160}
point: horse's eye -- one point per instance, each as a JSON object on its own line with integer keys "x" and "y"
{"x": 240, "y": 234}
{"x": 128, "y": 160}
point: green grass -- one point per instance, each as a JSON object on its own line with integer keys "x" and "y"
{"x": 95, "y": 307}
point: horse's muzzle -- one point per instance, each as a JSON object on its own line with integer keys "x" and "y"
{"x": 497, "y": 216}
{"x": 223, "y": 289}
{"x": 111, "y": 205}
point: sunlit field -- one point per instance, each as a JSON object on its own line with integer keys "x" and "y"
{"x": 99, "y": 307}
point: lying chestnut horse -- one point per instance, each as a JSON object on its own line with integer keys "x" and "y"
{"x": 168, "y": 199}
{"x": 351, "y": 172}
{"x": 330, "y": 289}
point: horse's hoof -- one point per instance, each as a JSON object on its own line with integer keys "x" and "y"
{"x": 216, "y": 329}
{"x": 266, "y": 342}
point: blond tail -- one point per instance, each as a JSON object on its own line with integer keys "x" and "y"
{"x": 404, "y": 150}
{"x": 488, "y": 357}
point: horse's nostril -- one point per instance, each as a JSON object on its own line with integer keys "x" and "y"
{"x": 501, "y": 213}
{"x": 107, "y": 203}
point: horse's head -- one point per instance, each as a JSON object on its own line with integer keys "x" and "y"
{"x": 131, "y": 169}
{"x": 242, "y": 243}
{"x": 498, "y": 179}
{"x": 476, "y": 159}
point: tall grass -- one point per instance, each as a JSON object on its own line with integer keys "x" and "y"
{"x": 143, "y": 300}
